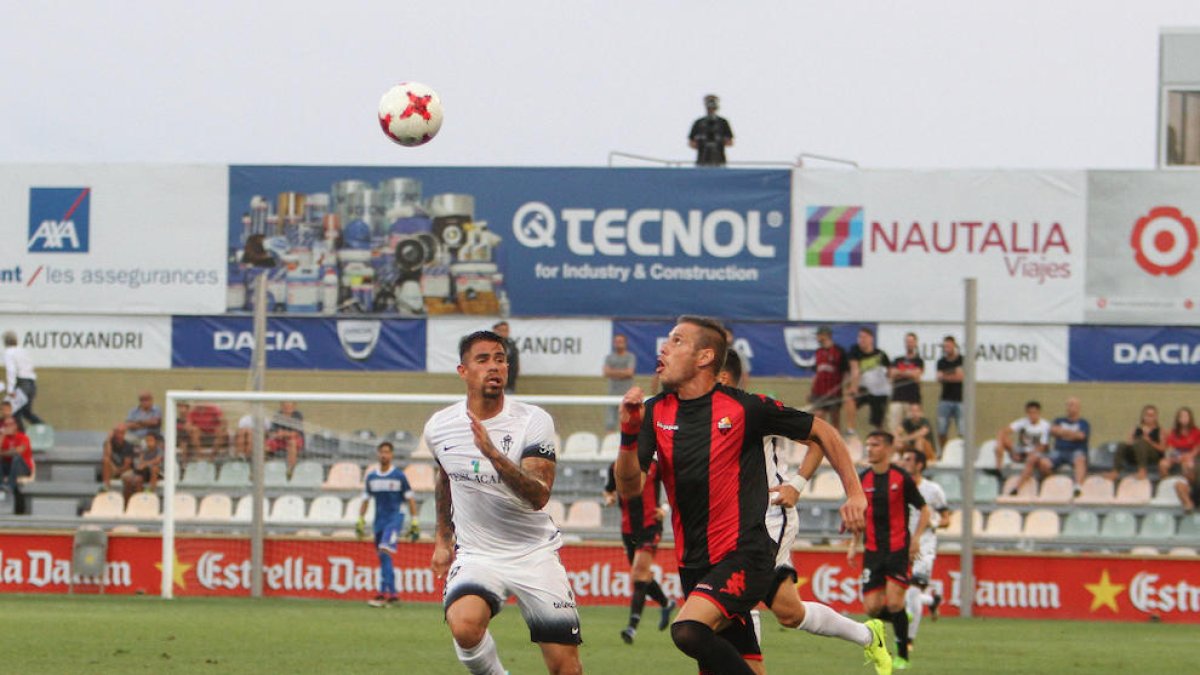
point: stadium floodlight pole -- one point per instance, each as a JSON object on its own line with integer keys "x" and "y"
{"x": 258, "y": 378}
{"x": 967, "y": 554}
{"x": 168, "y": 522}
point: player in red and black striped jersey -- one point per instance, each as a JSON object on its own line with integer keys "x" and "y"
{"x": 707, "y": 439}
{"x": 888, "y": 546}
{"x": 641, "y": 530}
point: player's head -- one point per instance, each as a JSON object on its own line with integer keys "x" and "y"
{"x": 879, "y": 447}
{"x": 384, "y": 452}
{"x": 695, "y": 346}
{"x": 866, "y": 339}
{"x": 10, "y": 338}
{"x": 913, "y": 461}
{"x": 1033, "y": 410}
{"x": 731, "y": 372}
{"x": 483, "y": 363}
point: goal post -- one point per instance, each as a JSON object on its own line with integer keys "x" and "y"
{"x": 252, "y": 404}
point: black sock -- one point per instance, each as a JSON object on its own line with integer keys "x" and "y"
{"x": 714, "y": 655}
{"x": 899, "y": 621}
{"x": 655, "y": 593}
{"x": 637, "y": 603}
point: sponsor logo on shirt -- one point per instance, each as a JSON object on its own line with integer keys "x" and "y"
{"x": 724, "y": 425}
{"x": 667, "y": 427}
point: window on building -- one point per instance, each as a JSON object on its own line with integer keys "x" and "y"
{"x": 1183, "y": 128}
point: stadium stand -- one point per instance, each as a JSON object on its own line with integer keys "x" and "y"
{"x": 106, "y": 505}
{"x": 1025, "y": 495}
{"x": 1056, "y": 489}
{"x": 1118, "y": 525}
{"x": 215, "y": 507}
{"x": 308, "y": 475}
{"x": 1041, "y": 524}
{"x": 234, "y": 475}
{"x": 1133, "y": 490}
{"x": 326, "y": 510}
{"x": 1157, "y": 525}
{"x": 610, "y": 446}
{"x": 287, "y": 509}
{"x": 952, "y": 454}
{"x": 185, "y": 506}
{"x": 1003, "y": 523}
{"x": 581, "y": 445}
{"x": 955, "y": 528}
{"x": 1096, "y": 490}
{"x": 275, "y": 473}
{"x": 1081, "y": 525}
{"x": 583, "y": 515}
{"x": 1164, "y": 492}
{"x": 557, "y": 510}
{"x": 420, "y": 477}
{"x": 343, "y": 475}
{"x": 198, "y": 474}
{"x": 827, "y": 485}
{"x": 142, "y": 506}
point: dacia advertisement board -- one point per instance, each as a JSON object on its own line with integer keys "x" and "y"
{"x": 1135, "y": 354}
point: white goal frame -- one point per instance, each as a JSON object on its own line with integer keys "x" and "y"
{"x": 170, "y": 462}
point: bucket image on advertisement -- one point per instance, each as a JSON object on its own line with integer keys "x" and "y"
{"x": 303, "y": 289}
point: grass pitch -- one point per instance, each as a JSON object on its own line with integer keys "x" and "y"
{"x": 122, "y": 634}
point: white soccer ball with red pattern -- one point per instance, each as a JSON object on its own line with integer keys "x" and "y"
{"x": 410, "y": 113}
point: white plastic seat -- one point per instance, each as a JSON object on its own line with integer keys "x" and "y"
{"x": 1026, "y": 494}
{"x": 584, "y": 515}
{"x": 142, "y": 506}
{"x": 581, "y": 445}
{"x": 326, "y": 510}
{"x": 1133, "y": 490}
{"x": 353, "y": 505}
{"x": 185, "y": 506}
{"x": 420, "y": 477}
{"x": 1003, "y": 523}
{"x": 287, "y": 509}
{"x": 216, "y": 507}
{"x": 1095, "y": 490}
{"x": 955, "y": 528}
{"x": 275, "y": 473}
{"x": 234, "y": 475}
{"x": 1164, "y": 492}
{"x": 556, "y": 510}
{"x": 827, "y": 485}
{"x": 422, "y": 451}
{"x": 1056, "y": 489}
{"x": 244, "y": 512}
{"x": 106, "y": 505}
{"x": 1041, "y": 524}
{"x": 199, "y": 473}
{"x": 343, "y": 476}
{"x": 307, "y": 475}
{"x": 952, "y": 454}
{"x": 610, "y": 446}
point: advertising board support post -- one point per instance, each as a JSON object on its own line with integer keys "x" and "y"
{"x": 258, "y": 377}
{"x": 967, "y": 556}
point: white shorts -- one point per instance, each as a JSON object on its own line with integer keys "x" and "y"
{"x": 922, "y": 567}
{"x": 782, "y": 525}
{"x": 539, "y": 583}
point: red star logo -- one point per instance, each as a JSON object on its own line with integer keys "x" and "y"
{"x": 417, "y": 105}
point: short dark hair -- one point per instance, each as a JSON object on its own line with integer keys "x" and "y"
{"x": 155, "y": 435}
{"x": 918, "y": 457}
{"x": 867, "y": 330}
{"x": 950, "y": 339}
{"x": 888, "y": 439}
{"x": 733, "y": 366}
{"x": 1033, "y": 404}
{"x": 386, "y": 444}
{"x": 468, "y": 341}
{"x": 499, "y": 323}
{"x": 712, "y": 336}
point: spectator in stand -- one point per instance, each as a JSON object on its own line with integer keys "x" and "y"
{"x": 1145, "y": 445}
{"x": 950, "y": 403}
{"x": 286, "y": 434}
{"x": 118, "y": 456}
{"x": 1025, "y": 437}
{"x": 1189, "y": 489}
{"x": 206, "y": 429}
{"x": 21, "y": 378}
{"x": 16, "y": 454}
{"x": 916, "y": 433}
{"x": 1071, "y": 434}
{"x": 619, "y": 367}
{"x": 6, "y": 410}
{"x": 512, "y": 353}
{"x": 829, "y": 371}
{"x": 145, "y": 418}
{"x": 1183, "y": 442}
{"x": 710, "y": 135}
{"x": 906, "y": 375}
{"x": 146, "y": 467}
{"x": 869, "y": 382}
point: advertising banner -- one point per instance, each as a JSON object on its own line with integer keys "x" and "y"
{"x": 104, "y": 238}
{"x": 897, "y": 245}
{"x": 1004, "y": 353}
{"x": 546, "y": 346}
{"x": 1135, "y": 354}
{"x": 1142, "y": 243}
{"x": 533, "y": 242}
{"x": 66, "y": 341}
{"x": 300, "y": 343}
{"x": 1011, "y": 586}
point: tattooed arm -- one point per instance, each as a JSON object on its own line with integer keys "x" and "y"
{"x": 443, "y": 544}
{"x": 531, "y": 480}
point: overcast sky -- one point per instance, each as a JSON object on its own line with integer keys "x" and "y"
{"x": 922, "y": 83}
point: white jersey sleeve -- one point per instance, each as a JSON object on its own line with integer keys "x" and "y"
{"x": 489, "y": 518}
{"x": 935, "y": 499}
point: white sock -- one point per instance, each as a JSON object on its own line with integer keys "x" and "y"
{"x": 482, "y": 659}
{"x": 926, "y": 599}
{"x": 757, "y": 625}
{"x": 915, "y": 608}
{"x": 823, "y": 620}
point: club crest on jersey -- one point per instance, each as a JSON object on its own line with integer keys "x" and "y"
{"x": 475, "y": 465}
{"x": 506, "y": 443}
{"x": 724, "y": 425}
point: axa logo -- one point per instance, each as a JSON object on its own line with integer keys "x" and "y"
{"x": 1164, "y": 241}
{"x": 59, "y": 220}
{"x": 835, "y": 236}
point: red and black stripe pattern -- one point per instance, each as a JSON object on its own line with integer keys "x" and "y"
{"x": 889, "y": 495}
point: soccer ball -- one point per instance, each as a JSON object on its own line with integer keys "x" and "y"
{"x": 410, "y": 113}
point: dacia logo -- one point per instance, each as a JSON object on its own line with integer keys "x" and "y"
{"x": 358, "y": 337}
{"x": 59, "y": 220}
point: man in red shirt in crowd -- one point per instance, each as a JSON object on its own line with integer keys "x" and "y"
{"x": 829, "y": 371}
{"x": 16, "y": 454}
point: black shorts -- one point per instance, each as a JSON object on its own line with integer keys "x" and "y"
{"x": 645, "y": 540}
{"x": 879, "y": 567}
{"x": 735, "y": 585}
{"x": 878, "y": 405}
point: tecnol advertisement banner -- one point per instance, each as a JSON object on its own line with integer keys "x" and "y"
{"x": 897, "y": 245}
{"x": 112, "y": 238}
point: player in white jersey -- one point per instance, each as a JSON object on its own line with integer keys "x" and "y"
{"x": 919, "y": 594}
{"x": 783, "y": 523}
{"x": 496, "y": 460}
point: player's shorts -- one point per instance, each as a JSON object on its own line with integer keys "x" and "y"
{"x": 387, "y": 533}
{"x": 879, "y": 567}
{"x": 539, "y": 583}
{"x": 783, "y": 524}
{"x": 646, "y": 540}
{"x": 735, "y": 585}
{"x": 922, "y": 567}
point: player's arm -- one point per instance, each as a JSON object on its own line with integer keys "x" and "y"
{"x": 788, "y": 493}
{"x": 853, "y": 511}
{"x": 443, "y": 541}
{"x": 852, "y": 389}
{"x": 943, "y": 517}
{"x": 531, "y": 481}
{"x": 913, "y": 498}
{"x": 627, "y": 469}
{"x": 852, "y": 551}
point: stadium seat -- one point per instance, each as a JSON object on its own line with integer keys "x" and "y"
{"x": 985, "y": 457}
{"x": 1095, "y": 490}
{"x": 244, "y": 511}
{"x": 428, "y": 512}
{"x": 307, "y": 475}
{"x": 986, "y": 488}
{"x": 1003, "y": 523}
{"x": 41, "y": 436}
{"x": 199, "y": 473}
{"x": 556, "y": 510}
{"x": 1164, "y": 492}
{"x": 584, "y": 515}
{"x": 353, "y": 505}
{"x": 1157, "y": 525}
{"x": 952, "y": 454}
{"x": 1184, "y": 551}
{"x": 955, "y": 528}
{"x": 124, "y": 528}
{"x": 142, "y": 506}
{"x": 1082, "y": 525}
{"x": 1040, "y": 524}
{"x": 1143, "y": 551}
{"x": 287, "y": 509}
{"x": 581, "y": 445}
{"x": 326, "y": 510}
{"x": 1133, "y": 490}
{"x": 323, "y": 442}
{"x": 343, "y": 476}
{"x": 234, "y": 475}
{"x": 106, "y": 505}
{"x": 185, "y": 506}
{"x": 403, "y": 442}
{"x": 610, "y": 446}
{"x": 1118, "y": 525}
{"x": 827, "y": 485}
{"x": 1025, "y": 495}
{"x": 275, "y": 473}
{"x": 216, "y": 507}
{"x": 420, "y": 477}
{"x": 855, "y": 445}
{"x": 1103, "y": 457}
{"x": 1189, "y": 526}
{"x": 422, "y": 451}
{"x": 951, "y": 484}
{"x": 1056, "y": 489}
{"x": 309, "y": 533}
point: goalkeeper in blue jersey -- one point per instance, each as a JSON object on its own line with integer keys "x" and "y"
{"x": 389, "y": 487}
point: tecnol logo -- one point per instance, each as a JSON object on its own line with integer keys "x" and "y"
{"x": 59, "y": 220}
